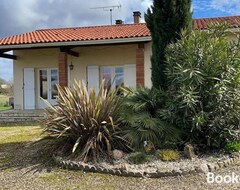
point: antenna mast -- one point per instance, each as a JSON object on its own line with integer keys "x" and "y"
{"x": 110, "y": 9}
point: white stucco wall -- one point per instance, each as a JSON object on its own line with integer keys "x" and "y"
{"x": 88, "y": 56}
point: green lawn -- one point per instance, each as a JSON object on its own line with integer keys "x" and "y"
{"x": 4, "y": 102}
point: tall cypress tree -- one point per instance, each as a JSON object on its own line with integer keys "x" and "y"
{"x": 165, "y": 20}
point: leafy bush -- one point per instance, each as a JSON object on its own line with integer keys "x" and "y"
{"x": 168, "y": 155}
{"x": 204, "y": 87}
{"x": 86, "y": 121}
{"x": 233, "y": 147}
{"x": 137, "y": 158}
{"x": 141, "y": 119}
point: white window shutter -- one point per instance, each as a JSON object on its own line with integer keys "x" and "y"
{"x": 130, "y": 76}
{"x": 93, "y": 77}
{"x": 29, "y": 88}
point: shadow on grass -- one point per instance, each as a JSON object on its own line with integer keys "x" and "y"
{"x": 28, "y": 155}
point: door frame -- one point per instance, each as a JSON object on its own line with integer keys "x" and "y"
{"x": 40, "y": 103}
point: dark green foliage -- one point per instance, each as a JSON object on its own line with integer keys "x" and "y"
{"x": 86, "y": 122}
{"x": 168, "y": 155}
{"x": 204, "y": 87}
{"x": 165, "y": 20}
{"x": 141, "y": 119}
{"x": 233, "y": 147}
{"x": 137, "y": 158}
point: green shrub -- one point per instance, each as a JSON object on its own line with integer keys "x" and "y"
{"x": 233, "y": 147}
{"x": 137, "y": 158}
{"x": 87, "y": 121}
{"x": 168, "y": 155}
{"x": 6, "y": 104}
{"x": 204, "y": 87}
{"x": 142, "y": 121}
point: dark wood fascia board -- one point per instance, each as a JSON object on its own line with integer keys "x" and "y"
{"x": 8, "y": 56}
{"x": 69, "y": 51}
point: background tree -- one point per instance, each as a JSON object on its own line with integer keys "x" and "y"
{"x": 165, "y": 20}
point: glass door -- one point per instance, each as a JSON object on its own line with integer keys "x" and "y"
{"x": 48, "y": 80}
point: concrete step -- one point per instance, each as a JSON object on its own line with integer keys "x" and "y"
{"x": 21, "y": 115}
{"x": 15, "y": 119}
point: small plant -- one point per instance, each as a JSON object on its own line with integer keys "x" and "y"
{"x": 142, "y": 120}
{"x": 233, "y": 147}
{"x": 87, "y": 121}
{"x": 137, "y": 158}
{"x": 168, "y": 155}
{"x": 6, "y": 104}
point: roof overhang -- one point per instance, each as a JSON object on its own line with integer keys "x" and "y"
{"x": 76, "y": 43}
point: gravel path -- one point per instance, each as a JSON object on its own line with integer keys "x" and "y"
{"x": 21, "y": 167}
{"x": 32, "y": 178}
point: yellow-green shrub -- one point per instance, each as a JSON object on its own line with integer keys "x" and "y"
{"x": 168, "y": 155}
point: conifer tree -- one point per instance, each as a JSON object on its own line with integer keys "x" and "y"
{"x": 165, "y": 20}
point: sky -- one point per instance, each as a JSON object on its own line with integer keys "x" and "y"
{"x": 20, "y": 16}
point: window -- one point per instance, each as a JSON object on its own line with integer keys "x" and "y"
{"x": 113, "y": 76}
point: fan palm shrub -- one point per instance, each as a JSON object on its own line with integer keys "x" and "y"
{"x": 142, "y": 121}
{"x": 203, "y": 72}
{"x": 85, "y": 122}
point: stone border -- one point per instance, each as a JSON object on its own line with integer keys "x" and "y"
{"x": 202, "y": 168}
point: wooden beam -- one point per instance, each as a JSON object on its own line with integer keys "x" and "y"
{"x": 3, "y": 51}
{"x": 69, "y": 51}
{"x": 8, "y": 56}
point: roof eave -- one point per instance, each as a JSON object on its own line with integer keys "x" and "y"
{"x": 77, "y": 43}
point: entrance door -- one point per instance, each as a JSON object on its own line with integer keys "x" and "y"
{"x": 47, "y": 89}
{"x": 28, "y": 88}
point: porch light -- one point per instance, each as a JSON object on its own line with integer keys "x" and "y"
{"x": 71, "y": 66}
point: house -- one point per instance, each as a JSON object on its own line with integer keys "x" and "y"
{"x": 44, "y": 58}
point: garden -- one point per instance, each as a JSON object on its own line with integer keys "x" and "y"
{"x": 195, "y": 114}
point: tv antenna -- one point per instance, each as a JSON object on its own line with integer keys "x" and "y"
{"x": 109, "y": 8}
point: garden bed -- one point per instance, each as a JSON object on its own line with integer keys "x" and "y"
{"x": 154, "y": 168}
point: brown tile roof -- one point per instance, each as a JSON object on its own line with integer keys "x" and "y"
{"x": 79, "y": 34}
{"x": 99, "y": 32}
{"x": 203, "y": 23}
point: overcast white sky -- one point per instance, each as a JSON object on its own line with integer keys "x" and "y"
{"x": 20, "y": 16}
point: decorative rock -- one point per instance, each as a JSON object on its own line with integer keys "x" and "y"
{"x": 216, "y": 166}
{"x": 135, "y": 174}
{"x": 111, "y": 171}
{"x": 203, "y": 168}
{"x": 161, "y": 174}
{"x": 235, "y": 155}
{"x": 211, "y": 167}
{"x": 75, "y": 166}
{"x": 92, "y": 169}
{"x": 80, "y": 166}
{"x": 152, "y": 174}
{"x": 149, "y": 147}
{"x": 124, "y": 167}
{"x": 177, "y": 172}
{"x": 117, "y": 172}
{"x": 125, "y": 173}
{"x": 117, "y": 154}
{"x": 189, "y": 151}
{"x": 220, "y": 164}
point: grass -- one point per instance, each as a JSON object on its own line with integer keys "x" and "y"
{"x": 4, "y": 102}
{"x": 16, "y": 143}
{"x": 10, "y": 134}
